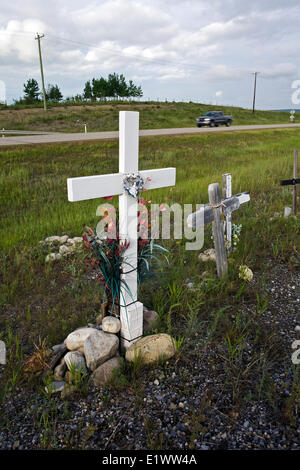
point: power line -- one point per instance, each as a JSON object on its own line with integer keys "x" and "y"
{"x": 120, "y": 54}
{"x": 134, "y": 56}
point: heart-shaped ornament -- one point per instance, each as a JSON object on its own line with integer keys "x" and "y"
{"x": 133, "y": 184}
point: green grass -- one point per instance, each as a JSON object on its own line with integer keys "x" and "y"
{"x": 104, "y": 117}
{"x": 33, "y": 200}
{"x": 34, "y": 205}
{"x": 50, "y": 300}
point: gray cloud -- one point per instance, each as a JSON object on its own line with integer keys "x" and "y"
{"x": 189, "y": 49}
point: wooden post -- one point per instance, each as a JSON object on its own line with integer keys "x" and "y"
{"x": 295, "y": 186}
{"x": 217, "y": 229}
{"x": 131, "y": 311}
{"x": 227, "y": 193}
{"x": 293, "y": 182}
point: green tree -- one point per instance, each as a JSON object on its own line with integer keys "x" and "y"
{"x": 100, "y": 88}
{"x": 53, "y": 93}
{"x": 122, "y": 89}
{"x": 31, "y": 91}
{"x": 88, "y": 91}
{"x": 78, "y": 98}
{"x": 115, "y": 86}
{"x": 112, "y": 85}
{"x": 134, "y": 91}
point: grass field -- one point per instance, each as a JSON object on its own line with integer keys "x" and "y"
{"x": 104, "y": 117}
{"x": 34, "y": 202}
{"x": 48, "y": 300}
{"x": 34, "y": 205}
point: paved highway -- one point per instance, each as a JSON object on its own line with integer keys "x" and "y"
{"x": 82, "y": 137}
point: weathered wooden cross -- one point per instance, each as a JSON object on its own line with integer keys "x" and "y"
{"x": 212, "y": 212}
{"x": 91, "y": 187}
{"x": 293, "y": 182}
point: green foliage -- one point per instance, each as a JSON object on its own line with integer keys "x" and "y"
{"x": 53, "y": 93}
{"x": 31, "y": 91}
{"x": 88, "y": 91}
{"x": 78, "y": 376}
{"x": 114, "y": 86}
{"x": 178, "y": 343}
{"x": 108, "y": 255}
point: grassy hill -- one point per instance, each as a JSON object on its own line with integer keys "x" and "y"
{"x": 104, "y": 117}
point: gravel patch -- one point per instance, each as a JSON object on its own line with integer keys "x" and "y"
{"x": 183, "y": 404}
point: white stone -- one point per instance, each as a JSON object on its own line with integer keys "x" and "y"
{"x": 59, "y": 348}
{"x": 190, "y": 286}
{"x": 149, "y": 319}
{"x": 59, "y": 371}
{"x": 55, "y": 387}
{"x": 99, "y": 347}
{"x": 111, "y": 324}
{"x": 65, "y": 250}
{"x": 53, "y": 238}
{"x": 63, "y": 239}
{"x": 208, "y": 255}
{"x": 75, "y": 240}
{"x": 75, "y": 340}
{"x": 105, "y": 372}
{"x": 151, "y": 348}
{"x": 245, "y": 273}
{"x": 2, "y": 353}
{"x": 287, "y": 211}
{"x": 50, "y": 257}
{"x": 75, "y": 359}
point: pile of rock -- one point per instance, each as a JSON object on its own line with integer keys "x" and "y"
{"x": 94, "y": 351}
{"x": 63, "y": 246}
{"x": 88, "y": 349}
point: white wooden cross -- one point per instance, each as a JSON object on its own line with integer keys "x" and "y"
{"x": 91, "y": 187}
{"x": 227, "y": 193}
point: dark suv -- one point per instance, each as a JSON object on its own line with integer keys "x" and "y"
{"x": 214, "y": 119}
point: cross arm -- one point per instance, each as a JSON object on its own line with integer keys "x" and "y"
{"x": 205, "y": 214}
{"x": 293, "y": 182}
{"x": 161, "y": 178}
{"x": 92, "y": 187}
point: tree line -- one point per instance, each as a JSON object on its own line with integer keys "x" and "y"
{"x": 97, "y": 89}
{"x": 115, "y": 86}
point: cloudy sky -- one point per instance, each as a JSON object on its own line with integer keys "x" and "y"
{"x": 176, "y": 49}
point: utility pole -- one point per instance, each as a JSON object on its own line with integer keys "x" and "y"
{"x": 38, "y": 37}
{"x": 254, "y": 91}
